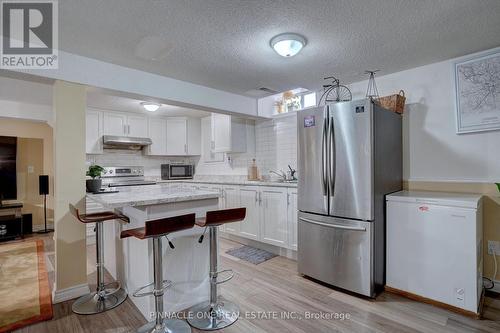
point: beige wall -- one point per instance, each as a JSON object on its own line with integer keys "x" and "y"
{"x": 29, "y": 166}
{"x": 491, "y": 213}
{"x": 26, "y": 130}
{"x": 69, "y": 103}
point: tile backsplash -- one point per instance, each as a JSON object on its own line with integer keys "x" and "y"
{"x": 273, "y": 144}
{"x": 152, "y": 164}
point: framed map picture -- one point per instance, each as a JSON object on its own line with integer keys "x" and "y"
{"x": 477, "y": 83}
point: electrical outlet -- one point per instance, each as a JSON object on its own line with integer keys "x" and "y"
{"x": 493, "y": 246}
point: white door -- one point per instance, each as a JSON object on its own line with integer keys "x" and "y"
{"x": 292, "y": 219}
{"x": 137, "y": 126}
{"x": 231, "y": 196}
{"x": 221, "y": 133}
{"x": 93, "y": 135}
{"x": 158, "y": 134}
{"x": 249, "y": 198}
{"x": 115, "y": 123}
{"x": 273, "y": 222}
{"x": 176, "y": 136}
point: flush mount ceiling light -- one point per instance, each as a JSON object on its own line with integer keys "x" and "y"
{"x": 288, "y": 44}
{"x": 151, "y": 107}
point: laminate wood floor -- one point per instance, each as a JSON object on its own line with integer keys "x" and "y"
{"x": 274, "y": 289}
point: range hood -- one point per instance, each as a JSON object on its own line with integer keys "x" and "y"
{"x": 125, "y": 142}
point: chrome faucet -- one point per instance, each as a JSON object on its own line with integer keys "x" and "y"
{"x": 281, "y": 174}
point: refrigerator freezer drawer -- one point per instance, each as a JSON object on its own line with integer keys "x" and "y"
{"x": 336, "y": 251}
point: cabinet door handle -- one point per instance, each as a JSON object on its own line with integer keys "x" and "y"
{"x": 256, "y": 197}
{"x": 125, "y": 129}
{"x": 186, "y": 148}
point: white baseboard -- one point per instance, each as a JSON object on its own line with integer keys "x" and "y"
{"x": 62, "y": 295}
{"x": 38, "y": 227}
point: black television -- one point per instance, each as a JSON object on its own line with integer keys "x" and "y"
{"x": 8, "y": 175}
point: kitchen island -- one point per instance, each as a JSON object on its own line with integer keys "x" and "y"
{"x": 130, "y": 260}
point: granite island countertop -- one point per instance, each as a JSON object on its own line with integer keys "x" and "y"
{"x": 219, "y": 181}
{"x": 149, "y": 195}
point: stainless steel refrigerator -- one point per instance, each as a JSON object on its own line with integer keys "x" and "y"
{"x": 349, "y": 158}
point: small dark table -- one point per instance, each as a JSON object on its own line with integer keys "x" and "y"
{"x": 11, "y": 225}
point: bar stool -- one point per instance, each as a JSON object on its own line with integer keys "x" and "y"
{"x": 155, "y": 229}
{"x": 103, "y": 298}
{"x": 216, "y": 313}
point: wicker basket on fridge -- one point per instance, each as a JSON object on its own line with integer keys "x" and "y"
{"x": 395, "y": 103}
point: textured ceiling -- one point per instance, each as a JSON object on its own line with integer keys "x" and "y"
{"x": 224, "y": 44}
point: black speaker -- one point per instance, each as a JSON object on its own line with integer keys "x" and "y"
{"x": 43, "y": 184}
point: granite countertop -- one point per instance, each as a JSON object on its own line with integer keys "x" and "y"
{"x": 149, "y": 195}
{"x": 229, "y": 182}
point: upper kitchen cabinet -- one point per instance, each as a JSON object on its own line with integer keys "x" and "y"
{"x": 183, "y": 136}
{"x": 137, "y": 126}
{"x": 121, "y": 124}
{"x": 229, "y": 134}
{"x": 93, "y": 138}
{"x": 157, "y": 128}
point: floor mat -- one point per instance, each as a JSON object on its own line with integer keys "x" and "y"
{"x": 251, "y": 254}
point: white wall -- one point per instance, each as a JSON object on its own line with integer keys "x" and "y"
{"x": 432, "y": 149}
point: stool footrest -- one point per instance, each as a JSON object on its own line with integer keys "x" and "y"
{"x": 139, "y": 292}
{"x": 112, "y": 291}
{"x": 231, "y": 275}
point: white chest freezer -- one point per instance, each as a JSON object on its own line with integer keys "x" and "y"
{"x": 434, "y": 246}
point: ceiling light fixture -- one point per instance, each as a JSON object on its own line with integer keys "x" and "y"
{"x": 288, "y": 44}
{"x": 151, "y": 107}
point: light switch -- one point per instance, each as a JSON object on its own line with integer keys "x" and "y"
{"x": 31, "y": 169}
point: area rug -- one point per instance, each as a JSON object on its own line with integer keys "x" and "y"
{"x": 251, "y": 254}
{"x": 24, "y": 286}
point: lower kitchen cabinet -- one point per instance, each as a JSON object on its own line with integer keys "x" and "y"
{"x": 292, "y": 218}
{"x": 274, "y": 211}
{"x": 231, "y": 198}
{"x": 249, "y": 198}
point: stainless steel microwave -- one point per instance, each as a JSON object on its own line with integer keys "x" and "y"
{"x": 177, "y": 171}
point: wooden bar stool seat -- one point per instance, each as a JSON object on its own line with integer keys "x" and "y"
{"x": 155, "y": 229}
{"x": 103, "y": 298}
{"x": 216, "y": 313}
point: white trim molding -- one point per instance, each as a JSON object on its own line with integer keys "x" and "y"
{"x": 62, "y": 295}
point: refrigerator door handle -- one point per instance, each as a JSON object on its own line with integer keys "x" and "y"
{"x": 332, "y": 158}
{"x": 330, "y": 225}
{"x": 324, "y": 162}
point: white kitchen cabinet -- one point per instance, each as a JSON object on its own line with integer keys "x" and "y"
{"x": 229, "y": 134}
{"x": 231, "y": 197}
{"x": 183, "y": 136}
{"x": 249, "y": 198}
{"x": 292, "y": 218}
{"x": 273, "y": 221}
{"x": 93, "y": 132}
{"x": 115, "y": 123}
{"x": 137, "y": 126}
{"x": 208, "y": 155}
{"x": 157, "y": 128}
{"x": 122, "y": 124}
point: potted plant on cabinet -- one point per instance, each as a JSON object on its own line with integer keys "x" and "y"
{"x": 95, "y": 172}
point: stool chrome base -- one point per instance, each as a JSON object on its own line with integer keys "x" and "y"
{"x": 203, "y": 317}
{"x": 168, "y": 326}
{"x": 93, "y": 303}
